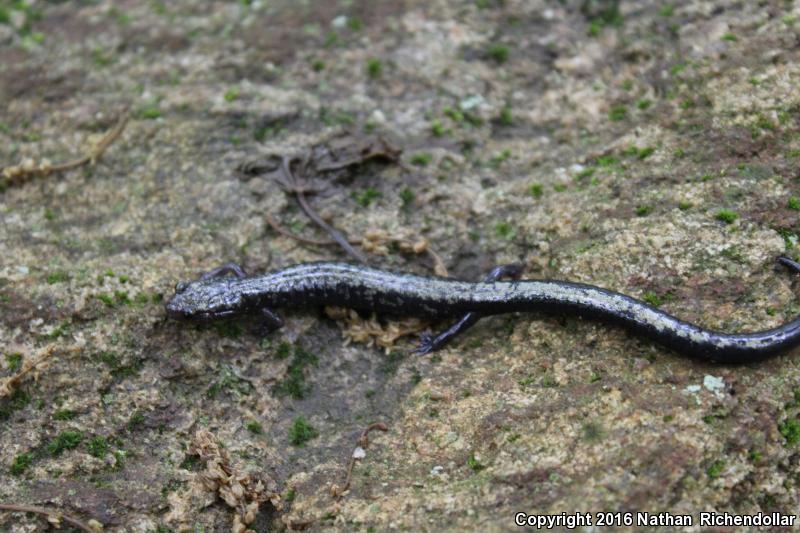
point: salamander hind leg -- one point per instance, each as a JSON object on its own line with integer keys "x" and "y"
{"x": 430, "y": 342}
{"x": 790, "y": 263}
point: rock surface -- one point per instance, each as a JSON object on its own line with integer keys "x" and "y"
{"x": 651, "y": 149}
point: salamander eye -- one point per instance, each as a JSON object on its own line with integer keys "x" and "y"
{"x": 181, "y": 286}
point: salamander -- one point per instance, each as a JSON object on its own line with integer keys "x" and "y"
{"x": 359, "y": 287}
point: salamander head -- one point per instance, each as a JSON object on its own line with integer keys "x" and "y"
{"x": 205, "y": 299}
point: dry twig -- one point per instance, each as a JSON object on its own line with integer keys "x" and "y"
{"x": 54, "y": 517}
{"x": 28, "y": 169}
{"x": 291, "y": 183}
{"x": 30, "y": 365}
{"x": 358, "y": 454}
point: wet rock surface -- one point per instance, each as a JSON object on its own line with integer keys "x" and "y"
{"x": 651, "y": 149}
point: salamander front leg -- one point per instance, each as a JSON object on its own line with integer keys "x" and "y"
{"x": 272, "y": 321}
{"x": 430, "y": 343}
{"x": 228, "y": 268}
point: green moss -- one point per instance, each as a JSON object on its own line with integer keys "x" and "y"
{"x": 119, "y": 460}
{"x": 608, "y": 16}
{"x": 122, "y": 298}
{"x": 498, "y": 52}
{"x": 617, "y": 113}
{"x": 117, "y": 299}
{"x": 730, "y": 37}
{"x": 473, "y": 119}
{"x": 391, "y": 362}
{"x": 716, "y": 468}
{"x": 332, "y": 39}
{"x": 64, "y": 414}
{"x": 652, "y": 298}
{"x": 374, "y": 67}
{"x": 318, "y": 65}
{"x": 717, "y": 415}
{"x": 498, "y": 159}
{"x": 454, "y": 114}
{"x": 726, "y": 215}
{"x": 645, "y": 152}
{"x": 66, "y": 440}
{"x": 150, "y": 112}
{"x": 536, "y": 190}
{"x": 421, "y": 160}
{"x": 228, "y": 381}
{"x": 585, "y": 173}
{"x": 21, "y": 463}
{"x": 229, "y": 329}
{"x": 301, "y": 432}
{"x": 106, "y": 299}
{"x": 231, "y": 95}
{"x": 607, "y": 161}
{"x": 474, "y": 464}
{"x": 644, "y": 210}
{"x": 355, "y": 23}
{"x": 136, "y": 420}
{"x": 683, "y": 206}
{"x": 549, "y": 381}
{"x": 437, "y": 128}
{"x": 559, "y": 187}
{"x": 504, "y": 230}
{"x": 667, "y": 10}
{"x": 97, "y": 447}
{"x": 254, "y": 428}
{"x": 16, "y": 402}
{"x": 284, "y": 350}
{"x": 294, "y": 384}
{"x": 506, "y": 117}
{"x": 526, "y": 381}
{"x": 407, "y": 196}
{"x": 764, "y": 123}
{"x": 793, "y": 203}
{"x": 790, "y": 429}
{"x": 191, "y": 463}
{"x": 14, "y": 361}
{"x": 367, "y": 196}
{"x": 593, "y": 432}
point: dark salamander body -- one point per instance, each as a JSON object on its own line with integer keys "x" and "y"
{"x": 364, "y": 288}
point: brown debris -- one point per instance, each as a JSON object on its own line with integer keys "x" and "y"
{"x": 244, "y": 492}
{"x": 371, "y": 331}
